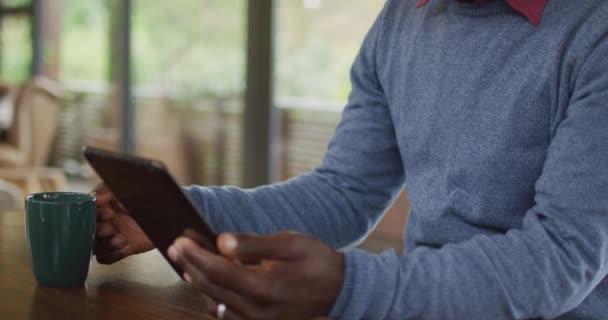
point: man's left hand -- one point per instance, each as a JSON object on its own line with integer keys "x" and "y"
{"x": 281, "y": 276}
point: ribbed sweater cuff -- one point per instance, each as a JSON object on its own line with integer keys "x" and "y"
{"x": 368, "y": 286}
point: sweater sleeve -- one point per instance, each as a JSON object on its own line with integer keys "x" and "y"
{"x": 543, "y": 270}
{"x": 346, "y": 195}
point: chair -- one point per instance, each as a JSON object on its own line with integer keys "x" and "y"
{"x": 24, "y": 154}
{"x": 16, "y": 148}
{"x": 7, "y": 100}
{"x": 10, "y": 196}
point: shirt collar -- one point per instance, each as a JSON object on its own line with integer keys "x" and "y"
{"x": 531, "y": 9}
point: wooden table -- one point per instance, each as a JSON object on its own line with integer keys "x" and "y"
{"x": 139, "y": 287}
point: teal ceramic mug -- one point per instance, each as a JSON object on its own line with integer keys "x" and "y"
{"x": 60, "y": 228}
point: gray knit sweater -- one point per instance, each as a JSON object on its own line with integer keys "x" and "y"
{"x": 498, "y": 129}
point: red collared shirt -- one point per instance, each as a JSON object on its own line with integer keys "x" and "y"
{"x": 532, "y": 9}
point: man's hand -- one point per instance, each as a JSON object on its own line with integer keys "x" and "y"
{"x": 280, "y": 276}
{"x": 117, "y": 235}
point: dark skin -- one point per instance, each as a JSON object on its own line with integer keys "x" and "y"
{"x": 284, "y": 275}
{"x": 117, "y": 235}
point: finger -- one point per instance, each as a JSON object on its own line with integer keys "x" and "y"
{"x": 105, "y": 213}
{"x": 103, "y": 196}
{"x": 115, "y": 255}
{"x": 211, "y": 309}
{"x": 104, "y": 230}
{"x": 254, "y": 248}
{"x": 224, "y": 272}
{"x": 237, "y": 306}
{"x": 107, "y": 245}
{"x": 209, "y": 304}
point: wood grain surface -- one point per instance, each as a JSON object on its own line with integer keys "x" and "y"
{"x": 139, "y": 287}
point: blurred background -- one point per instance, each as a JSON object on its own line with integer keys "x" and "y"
{"x": 225, "y": 92}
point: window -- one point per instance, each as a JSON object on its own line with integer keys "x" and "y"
{"x": 316, "y": 43}
{"x": 15, "y": 40}
{"x": 84, "y": 41}
{"x": 189, "y": 64}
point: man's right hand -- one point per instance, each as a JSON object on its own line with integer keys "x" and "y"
{"x": 117, "y": 235}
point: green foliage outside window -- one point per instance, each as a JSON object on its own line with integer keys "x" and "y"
{"x": 15, "y": 49}
{"x": 197, "y": 47}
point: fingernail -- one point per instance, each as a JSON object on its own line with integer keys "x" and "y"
{"x": 230, "y": 242}
{"x": 173, "y": 253}
{"x": 187, "y": 278}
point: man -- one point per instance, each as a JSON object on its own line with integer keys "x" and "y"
{"x": 497, "y": 122}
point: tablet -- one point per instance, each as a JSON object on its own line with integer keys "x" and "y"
{"x": 153, "y": 198}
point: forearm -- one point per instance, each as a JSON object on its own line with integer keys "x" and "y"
{"x": 542, "y": 271}
{"x": 326, "y": 205}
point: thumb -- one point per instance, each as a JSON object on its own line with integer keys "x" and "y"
{"x": 102, "y": 195}
{"x": 251, "y": 248}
